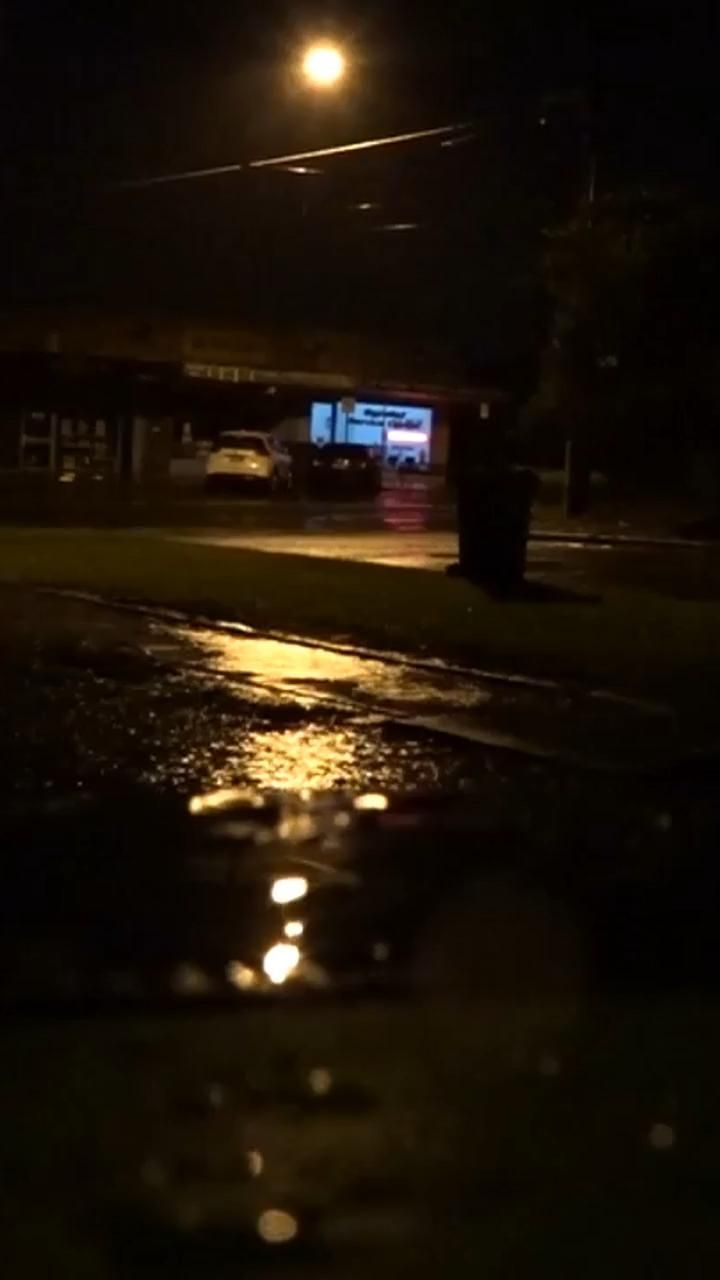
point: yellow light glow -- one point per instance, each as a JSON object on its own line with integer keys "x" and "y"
{"x": 240, "y": 975}
{"x": 662, "y": 1137}
{"x": 323, "y": 65}
{"x": 275, "y": 1226}
{"x": 313, "y": 757}
{"x": 189, "y": 980}
{"x": 320, "y": 1081}
{"x": 288, "y": 889}
{"x": 294, "y": 929}
{"x": 297, "y": 827}
{"x": 224, "y": 798}
{"x": 371, "y": 803}
{"x": 280, "y": 961}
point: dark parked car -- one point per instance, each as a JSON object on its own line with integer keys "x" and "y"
{"x": 351, "y": 469}
{"x": 302, "y": 454}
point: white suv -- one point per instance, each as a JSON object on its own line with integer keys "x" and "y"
{"x": 255, "y": 457}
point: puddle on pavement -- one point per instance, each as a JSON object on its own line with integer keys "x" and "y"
{"x": 185, "y": 735}
{"x": 340, "y": 755}
{"x": 553, "y": 720}
{"x": 299, "y": 669}
{"x": 94, "y": 697}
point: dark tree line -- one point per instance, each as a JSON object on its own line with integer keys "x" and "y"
{"x": 631, "y": 369}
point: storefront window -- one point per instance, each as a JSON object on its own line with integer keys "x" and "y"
{"x": 400, "y": 432}
{"x": 321, "y": 423}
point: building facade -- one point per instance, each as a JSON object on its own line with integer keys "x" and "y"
{"x": 117, "y": 397}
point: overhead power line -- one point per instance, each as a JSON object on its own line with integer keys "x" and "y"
{"x": 347, "y": 148}
{"x": 179, "y": 177}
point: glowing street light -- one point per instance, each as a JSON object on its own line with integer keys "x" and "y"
{"x": 280, "y": 961}
{"x": 323, "y": 65}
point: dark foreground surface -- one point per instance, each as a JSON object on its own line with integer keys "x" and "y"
{"x": 496, "y": 1048}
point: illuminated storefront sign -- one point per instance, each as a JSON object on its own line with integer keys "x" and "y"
{"x": 400, "y": 435}
{"x": 404, "y": 430}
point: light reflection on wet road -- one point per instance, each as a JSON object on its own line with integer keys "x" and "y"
{"x": 459, "y": 707}
{"x": 333, "y": 710}
{"x": 314, "y": 757}
{"x": 96, "y": 697}
{"x": 341, "y": 754}
{"x": 315, "y": 671}
{"x": 414, "y": 549}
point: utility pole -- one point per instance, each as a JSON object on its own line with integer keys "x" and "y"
{"x": 578, "y": 463}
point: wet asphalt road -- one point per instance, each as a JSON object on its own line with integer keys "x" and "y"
{"x": 97, "y": 698}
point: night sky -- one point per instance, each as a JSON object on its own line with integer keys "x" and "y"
{"x": 92, "y": 93}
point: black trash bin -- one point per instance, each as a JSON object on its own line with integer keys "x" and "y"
{"x": 494, "y": 507}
